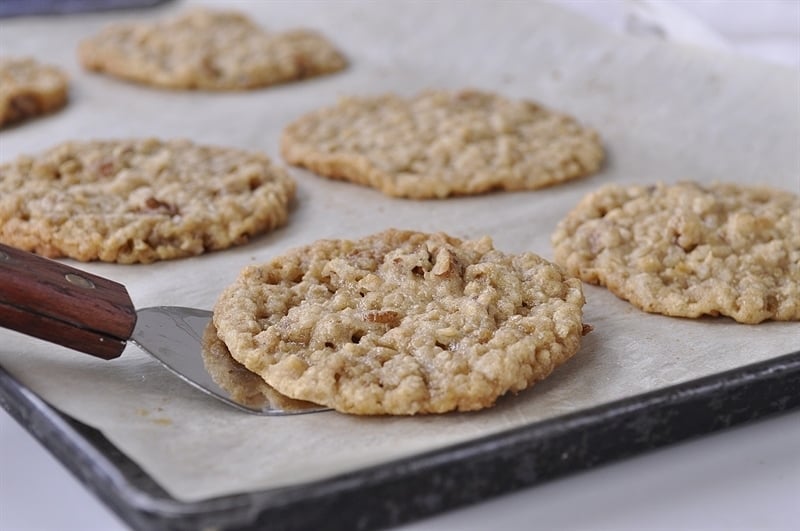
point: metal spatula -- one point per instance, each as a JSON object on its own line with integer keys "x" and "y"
{"x": 49, "y": 300}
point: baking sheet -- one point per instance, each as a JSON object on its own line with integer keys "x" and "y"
{"x": 665, "y": 113}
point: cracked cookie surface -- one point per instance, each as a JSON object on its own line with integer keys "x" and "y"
{"x": 401, "y": 322}
{"x": 133, "y": 201}
{"x": 689, "y": 250}
{"x": 209, "y": 50}
{"x": 29, "y": 88}
{"x": 439, "y": 144}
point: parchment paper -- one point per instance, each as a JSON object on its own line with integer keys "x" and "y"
{"x": 665, "y": 113}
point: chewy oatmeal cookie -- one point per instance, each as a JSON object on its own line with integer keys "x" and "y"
{"x": 689, "y": 250}
{"x": 139, "y": 200}
{"x": 210, "y": 50}
{"x": 439, "y": 144}
{"x": 29, "y": 88}
{"x": 401, "y": 322}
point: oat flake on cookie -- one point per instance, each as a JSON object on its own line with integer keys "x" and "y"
{"x": 133, "y": 201}
{"x": 688, "y": 249}
{"x": 401, "y": 322}
{"x": 439, "y": 144}
{"x": 210, "y": 50}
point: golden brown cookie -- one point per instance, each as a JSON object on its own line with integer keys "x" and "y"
{"x": 689, "y": 250}
{"x": 29, "y": 88}
{"x": 210, "y": 50}
{"x": 401, "y": 322}
{"x": 439, "y": 144}
{"x": 139, "y": 200}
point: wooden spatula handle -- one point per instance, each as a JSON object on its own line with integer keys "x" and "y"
{"x": 49, "y": 300}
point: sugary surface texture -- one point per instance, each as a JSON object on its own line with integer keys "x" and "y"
{"x": 210, "y": 50}
{"x": 29, "y": 88}
{"x": 689, "y": 250}
{"x": 439, "y": 144}
{"x": 401, "y": 322}
{"x": 139, "y": 200}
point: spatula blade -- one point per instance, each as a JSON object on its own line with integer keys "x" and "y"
{"x": 174, "y": 337}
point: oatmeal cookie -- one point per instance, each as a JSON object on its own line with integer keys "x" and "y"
{"x": 29, "y": 88}
{"x": 209, "y": 50}
{"x": 689, "y": 250}
{"x": 401, "y": 322}
{"x": 440, "y": 144}
{"x": 139, "y": 200}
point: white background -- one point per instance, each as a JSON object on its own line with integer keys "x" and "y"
{"x": 745, "y": 478}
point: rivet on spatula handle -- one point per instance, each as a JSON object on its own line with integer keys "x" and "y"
{"x": 52, "y": 301}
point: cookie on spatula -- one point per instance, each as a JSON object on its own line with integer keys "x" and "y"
{"x": 401, "y": 322}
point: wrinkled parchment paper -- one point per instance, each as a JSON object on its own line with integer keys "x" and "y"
{"x": 665, "y": 113}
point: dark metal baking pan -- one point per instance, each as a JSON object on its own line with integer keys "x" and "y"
{"x": 425, "y": 484}
{"x": 19, "y": 8}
